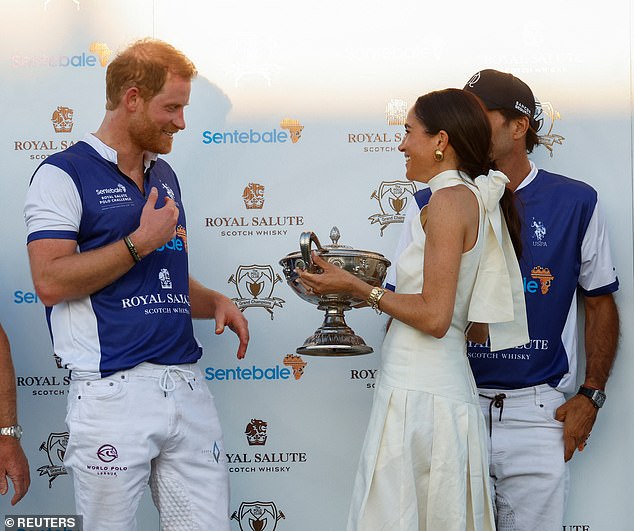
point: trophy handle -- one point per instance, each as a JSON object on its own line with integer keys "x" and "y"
{"x": 305, "y": 241}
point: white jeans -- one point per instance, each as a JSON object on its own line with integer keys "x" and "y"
{"x": 155, "y": 424}
{"x": 526, "y": 452}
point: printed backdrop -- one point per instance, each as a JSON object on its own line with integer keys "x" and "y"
{"x": 293, "y": 126}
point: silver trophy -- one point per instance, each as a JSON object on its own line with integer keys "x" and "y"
{"x": 334, "y": 337}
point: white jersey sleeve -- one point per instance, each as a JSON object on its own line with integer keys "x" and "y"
{"x": 53, "y": 205}
{"x": 597, "y": 268}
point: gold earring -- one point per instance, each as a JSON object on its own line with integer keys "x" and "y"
{"x": 438, "y": 155}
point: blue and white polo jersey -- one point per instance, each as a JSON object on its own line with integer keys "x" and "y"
{"x": 565, "y": 250}
{"x": 80, "y": 194}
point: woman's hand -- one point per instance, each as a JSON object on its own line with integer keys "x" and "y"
{"x": 333, "y": 280}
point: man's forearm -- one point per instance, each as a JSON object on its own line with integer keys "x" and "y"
{"x": 8, "y": 414}
{"x": 601, "y": 339}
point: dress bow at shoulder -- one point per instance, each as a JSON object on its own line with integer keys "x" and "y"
{"x": 498, "y": 295}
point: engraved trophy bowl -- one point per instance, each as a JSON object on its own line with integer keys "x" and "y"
{"x": 334, "y": 337}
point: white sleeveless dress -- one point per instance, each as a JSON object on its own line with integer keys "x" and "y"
{"x": 424, "y": 464}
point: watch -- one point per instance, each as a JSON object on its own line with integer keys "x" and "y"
{"x": 12, "y": 431}
{"x": 596, "y": 396}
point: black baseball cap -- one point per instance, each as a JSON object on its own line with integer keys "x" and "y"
{"x": 499, "y": 90}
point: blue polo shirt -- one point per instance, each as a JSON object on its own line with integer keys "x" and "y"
{"x": 79, "y": 194}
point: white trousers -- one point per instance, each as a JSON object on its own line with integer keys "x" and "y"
{"x": 526, "y": 450}
{"x": 152, "y": 424}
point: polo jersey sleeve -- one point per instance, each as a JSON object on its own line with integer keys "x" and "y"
{"x": 597, "y": 274}
{"x": 53, "y": 206}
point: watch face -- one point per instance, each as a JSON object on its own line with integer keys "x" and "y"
{"x": 599, "y": 398}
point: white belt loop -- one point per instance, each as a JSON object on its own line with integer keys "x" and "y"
{"x": 167, "y": 382}
{"x": 537, "y": 395}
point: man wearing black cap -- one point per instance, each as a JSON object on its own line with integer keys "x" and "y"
{"x": 533, "y": 429}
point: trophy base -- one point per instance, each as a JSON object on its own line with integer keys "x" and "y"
{"x": 333, "y": 350}
{"x": 338, "y": 342}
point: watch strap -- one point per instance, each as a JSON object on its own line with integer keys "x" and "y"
{"x": 596, "y": 396}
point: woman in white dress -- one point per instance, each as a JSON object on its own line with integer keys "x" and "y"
{"x": 424, "y": 464}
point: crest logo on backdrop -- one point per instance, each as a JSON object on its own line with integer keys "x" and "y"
{"x": 393, "y": 198}
{"x": 257, "y": 516}
{"x": 38, "y": 148}
{"x": 253, "y": 196}
{"x": 256, "y": 432}
{"x": 396, "y": 112}
{"x": 255, "y": 284}
{"x": 546, "y": 113}
{"x": 55, "y": 449}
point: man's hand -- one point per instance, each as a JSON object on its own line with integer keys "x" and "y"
{"x": 578, "y": 415}
{"x": 227, "y": 314}
{"x": 15, "y": 467}
{"x": 157, "y": 225}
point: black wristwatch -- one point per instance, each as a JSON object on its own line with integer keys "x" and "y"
{"x": 596, "y": 396}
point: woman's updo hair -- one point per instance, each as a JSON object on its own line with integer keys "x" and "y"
{"x": 460, "y": 115}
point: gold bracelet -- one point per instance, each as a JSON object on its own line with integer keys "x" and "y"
{"x": 375, "y": 297}
{"x": 133, "y": 252}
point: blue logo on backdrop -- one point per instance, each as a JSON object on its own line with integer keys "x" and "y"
{"x": 253, "y": 373}
{"x": 245, "y": 137}
{"x": 289, "y": 129}
{"x": 25, "y": 297}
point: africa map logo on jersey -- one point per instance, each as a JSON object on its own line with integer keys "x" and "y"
{"x": 544, "y": 276}
{"x": 539, "y": 233}
{"x": 393, "y": 197}
{"x": 255, "y": 285}
{"x": 257, "y": 516}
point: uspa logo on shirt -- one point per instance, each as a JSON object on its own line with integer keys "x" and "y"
{"x": 539, "y": 233}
